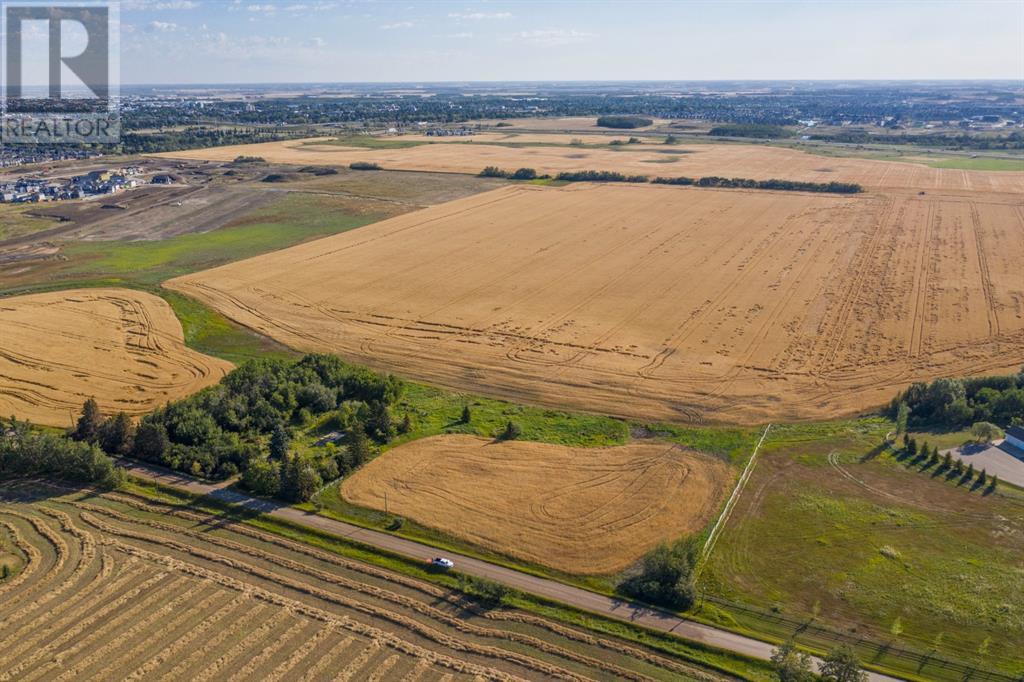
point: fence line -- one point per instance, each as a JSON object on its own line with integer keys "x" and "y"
{"x": 716, "y": 531}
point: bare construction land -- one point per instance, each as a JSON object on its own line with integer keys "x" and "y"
{"x": 124, "y": 348}
{"x": 657, "y": 302}
{"x": 579, "y": 510}
{"x": 455, "y": 155}
{"x": 118, "y": 587}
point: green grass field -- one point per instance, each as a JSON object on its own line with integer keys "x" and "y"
{"x": 291, "y": 220}
{"x": 981, "y": 163}
{"x": 370, "y": 142}
{"x": 209, "y": 332}
{"x": 834, "y": 531}
{"x": 145, "y": 264}
{"x": 15, "y": 221}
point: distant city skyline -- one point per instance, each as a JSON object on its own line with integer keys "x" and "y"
{"x": 329, "y": 41}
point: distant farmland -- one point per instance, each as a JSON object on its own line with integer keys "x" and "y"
{"x": 552, "y": 154}
{"x": 657, "y": 302}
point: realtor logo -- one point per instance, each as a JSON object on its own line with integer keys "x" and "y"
{"x": 59, "y": 72}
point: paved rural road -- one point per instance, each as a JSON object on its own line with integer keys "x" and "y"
{"x": 574, "y": 596}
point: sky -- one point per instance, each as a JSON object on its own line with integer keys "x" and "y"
{"x": 279, "y": 41}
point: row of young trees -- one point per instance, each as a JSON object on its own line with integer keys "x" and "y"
{"x": 242, "y": 425}
{"x": 927, "y": 457}
{"x": 956, "y": 403}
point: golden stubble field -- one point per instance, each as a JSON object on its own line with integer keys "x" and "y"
{"x": 455, "y": 155}
{"x": 579, "y": 510}
{"x": 124, "y": 348}
{"x": 657, "y": 302}
{"x": 118, "y": 587}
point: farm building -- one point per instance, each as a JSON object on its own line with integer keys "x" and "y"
{"x": 1015, "y": 437}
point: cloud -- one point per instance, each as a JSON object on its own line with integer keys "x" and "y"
{"x": 161, "y": 26}
{"x": 478, "y": 16}
{"x": 292, "y": 8}
{"x": 159, "y": 5}
{"x": 400, "y": 24}
{"x": 555, "y": 36}
{"x": 462, "y": 35}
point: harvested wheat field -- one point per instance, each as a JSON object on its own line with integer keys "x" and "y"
{"x": 116, "y": 586}
{"x": 125, "y": 348}
{"x": 695, "y": 160}
{"x": 579, "y": 510}
{"x": 656, "y": 302}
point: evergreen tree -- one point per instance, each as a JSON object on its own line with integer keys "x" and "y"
{"x": 982, "y": 478}
{"x": 912, "y": 447}
{"x": 379, "y": 424}
{"x": 993, "y": 483}
{"x": 406, "y": 425}
{"x": 358, "y": 448}
{"x": 947, "y": 461}
{"x": 511, "y": 432}
{"x": 279, "y": 443}
{"x": 88, "y": 426}
{"x": 466, "y": 414}
{"x": 290, "y": 477}
{"x": 151, "y": 441}
{"x": 116, "y": 435}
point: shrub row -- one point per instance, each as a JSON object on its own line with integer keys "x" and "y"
{"x": 710, "y": 181}
{"x": 25, "y": 451}
{"x": 623, "y": 122}
{"x": 747, "y": 183}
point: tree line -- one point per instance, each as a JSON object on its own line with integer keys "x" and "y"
{"x": 749, "y": 130}
{"x": 708, "y": 181}
{"x": 927, "y": 458}
{"x": 773, "y": 183}
{"x": 26, "y": 451}
{"x": 956, "y": 403}
{"x": 244, "y": 425}
{"x": 623, "y": 122}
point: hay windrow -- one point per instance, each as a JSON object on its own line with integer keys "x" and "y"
{"x": 427, "y": 588}
{"x": 146, "y": 597}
